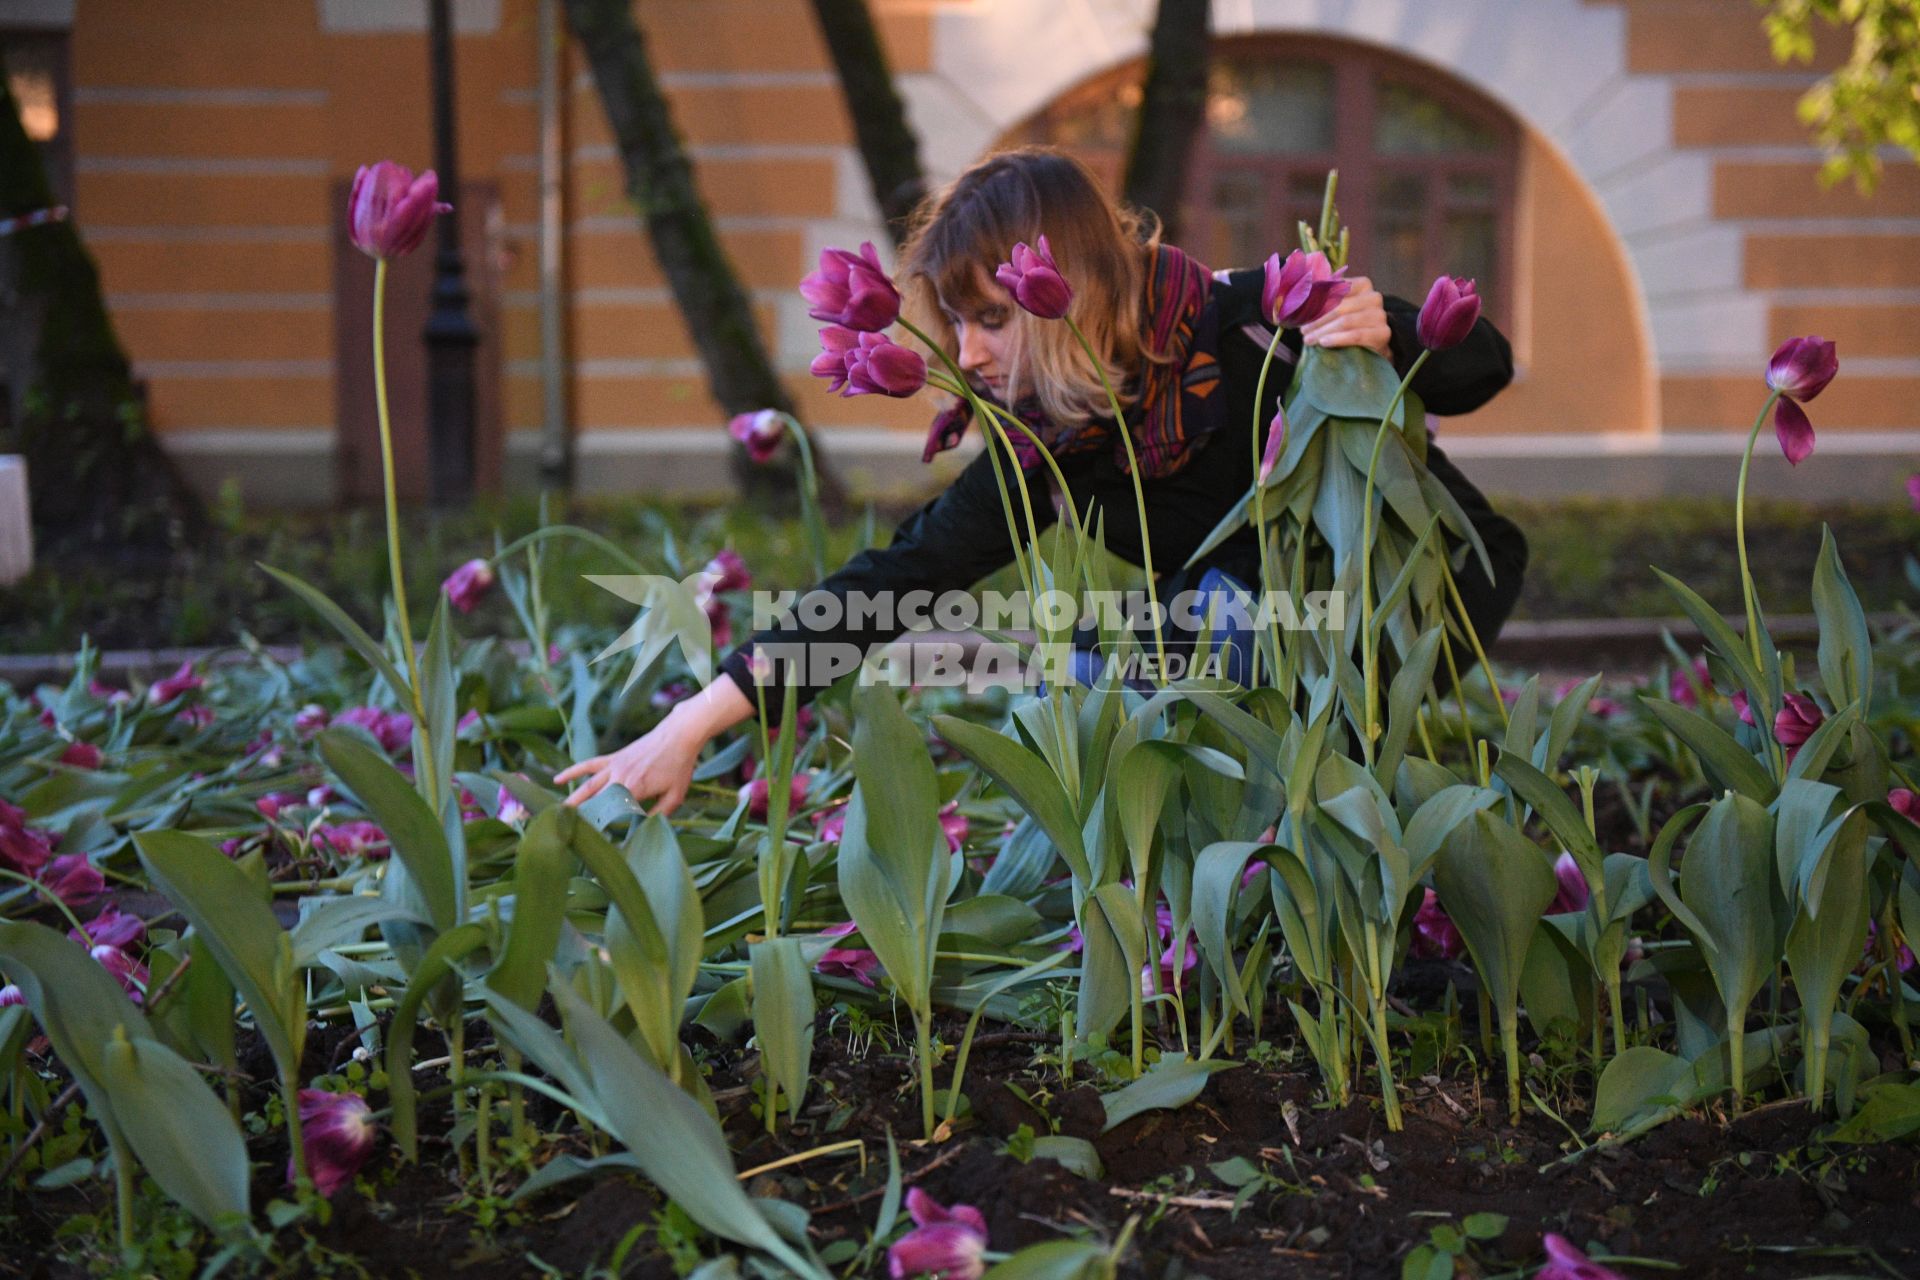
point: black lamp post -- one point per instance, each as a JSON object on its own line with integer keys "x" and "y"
{"x": 450, "y": 335}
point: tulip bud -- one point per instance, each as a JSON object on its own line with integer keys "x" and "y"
{"x": 1905, "y": 803}
{"x": 81, "y": 755}
{"x": 1449, "y": 314}
{"x": 336, "y": 1132}
{"x": 468, "y": 585}
{"x": 1796, "y": 722}
{"x": 948, "y": 1243}
{"x": 852, "y": 290}
{"x": 880, "y": 366}
{"x": 389, "y": 210}
{"x": 1034, "y": 280}
{"x": 1802, "y": 367}
{"x": 1276, "y": 439}
{"x": 74, "y": 880}
{"x": 170, "y": 687}
{"x": 761, "y": 433}
{"x": 1434, "y": 933}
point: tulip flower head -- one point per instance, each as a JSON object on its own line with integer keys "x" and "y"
{"x": 945, "y": 1244}
{"x": 1302, "y": 289}
{"x": 1434, "y": 933}
{"x": 758, "y": 797}
{"x": 1799, "y": 371}
{"x": 852, "y": 290}
{"x": 1565, "y": 1261}
{"x": 1276, "y": 440}
{"x": 468, "y": 585}
{"x": 393, "y": 730}
{"x": 954, "y": 826}
{"x": 81, "y": 755}
{"x": 24, "y": 849}
{"x": 847, "y": 962}
{"x": 877, "y": 365}
{"x": 1449, "y": 313}
{"x": 1034, "y": 280}
{"x": 1681, "y": 689}
{"x": 760, "y": 433}
{"x": 1905, "y": 803}
{"x": 74, "y": 880}
{"x": 389, "y": 210}
{"x": 726, "y": 572}
{"x": 166, "y": 689}
{"x": 1573, "y": 891}
{"x": 360, "y": 839}
{"x": 1796, "y": 722}
{"x": 336, "y": 1132}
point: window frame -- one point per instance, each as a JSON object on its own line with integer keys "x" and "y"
{"x": 1358, "y": 72}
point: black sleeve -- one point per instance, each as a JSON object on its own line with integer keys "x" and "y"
{"x": 949, "y": 544}
{"x": 1460, "y": 379}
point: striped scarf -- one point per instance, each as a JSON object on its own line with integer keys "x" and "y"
{"x": 1180, "y": 401}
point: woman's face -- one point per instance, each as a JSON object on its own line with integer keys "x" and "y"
{"x": 984, "y": 331}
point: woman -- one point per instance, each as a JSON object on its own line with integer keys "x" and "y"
{"x": 1184, "y": 348}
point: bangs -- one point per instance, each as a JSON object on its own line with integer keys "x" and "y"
{"x": 977, "y": 229}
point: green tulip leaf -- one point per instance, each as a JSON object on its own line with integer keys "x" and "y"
{"x": 1169, "y": 1085}
{"x": 783, "y": 1017}
{"x": 543, "y": 864}
{"x": 1846, "y": 647}
{"x": 419, "y": 840}
{"x": 182, "y": 1133}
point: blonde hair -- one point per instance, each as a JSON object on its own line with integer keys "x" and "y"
{"x": 963, "y": 231}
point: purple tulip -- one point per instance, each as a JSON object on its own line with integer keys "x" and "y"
{"x": 23, "y": 849}
{"x": 166, "y": 689}
{"x": 954, "y": 826}
{"x": 836, "y": 343}
{"x": 1802, "y": 368}
{"x": 74, "y": 880}
{"x": 393, "y": 730}
{"x": 847, "y": 962}
{"x": 1276, "y": 439}
{"x": 1799, "y": 371}
{"x": 1449, "y": 313}
{"x": 1913, "y": 490}
{"x": 1573, "y": 891}
{"x": 105, "y": 692}
{"x": 1301, "y": 290}
{"x": 359, "y": 839}
{"x": 1796, "y": 722}
{"x": 1170, "y": 979}
{"x": 1681, "y": 690}
{"x": 853, "y": 290}
{"x": 111, "y": 928}
{"x": 946, "y": 1244}
{"x": 81, "y": 755}
{"x": 760, "y": 432}
{"x": 879, "y": 366}
{"x": 468, "y": 585}
{"x": 389, "y": 210}
{"x": 195, "y": 717}
{"x": 1905, "y": 803}
{"x": 11, "y": 995}
{"x": 509, "y": 809}
{"x": 1434, "y": 933}
{"x": 310, "y": 720}
{"x": 759, "y": 797}
{"x": 1566, "y": 1262}
{"x": 336, "y": 1132}
{"x": 1034, "y": 280}
{"x": 727, "y": 571}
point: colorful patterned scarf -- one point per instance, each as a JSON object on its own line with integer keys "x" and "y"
{"x": 1180, "y": 401}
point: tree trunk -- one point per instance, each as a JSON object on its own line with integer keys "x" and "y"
{"x": 660, "y": 183}
{"x": 1171, "y": 109}
{"x": 888, "y": 146}
{"x": 67, "y": 396}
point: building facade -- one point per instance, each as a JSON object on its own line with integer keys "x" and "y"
{"x": 1627, "y": 179}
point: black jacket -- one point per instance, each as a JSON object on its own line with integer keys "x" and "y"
{"x": 961, "y": 536}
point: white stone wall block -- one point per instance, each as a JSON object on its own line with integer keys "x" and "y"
{"x": 1699, "y": 260}
{"x": 16, "y": 522}
{"x": 1667, "y": 191}
{"x": 1630, "y": 123}
{"x": 1708, "y": 331}
{"x": 1013, "y": 57}
{"x": 953, "y": 129}
{"x": 853, "y": 190}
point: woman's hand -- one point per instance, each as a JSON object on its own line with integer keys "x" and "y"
{"x": 661, "y": 763}
{"x": 1359, "y": 321}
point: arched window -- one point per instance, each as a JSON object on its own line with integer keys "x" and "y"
{"x": 1426, "y": 166}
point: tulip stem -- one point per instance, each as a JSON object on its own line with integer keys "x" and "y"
{"x": 428, "y": 783}
{"x": 1139, "y": 502}
{"x": 1260, "y": 501}
{"x": 810, "y": 498}
{"x": 923, "y": 1049}
{"x": 290, "y": 1099}
{"x": 1369, "y": 655}
{"x": 1750, "y": 596}
{"x": 123, "y": 1191}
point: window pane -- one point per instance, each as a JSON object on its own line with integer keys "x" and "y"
{"x": 1467, "y": 249}
{"x": 1266, "y": 108}
{"x": 1408, "y": 122}
{"x": 1238, "y": 236}
{"x": 1474, "y": 189}
{"x": 1395, "y": 260}
{"x": 32, "y": 79}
